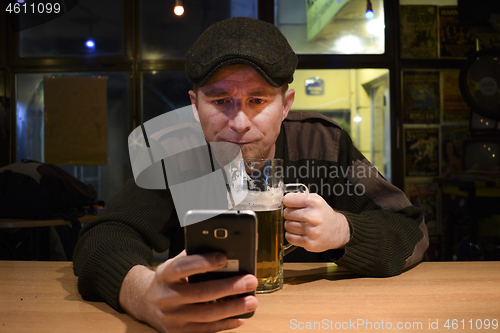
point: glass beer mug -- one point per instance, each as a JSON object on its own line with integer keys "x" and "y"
{"x": 258, "y": 185}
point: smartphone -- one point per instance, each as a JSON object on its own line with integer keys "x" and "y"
{"x": 233, "y": 233}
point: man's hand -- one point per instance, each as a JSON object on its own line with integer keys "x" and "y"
{"x": 312, "y": 224}
{"x": 164, "y": 298}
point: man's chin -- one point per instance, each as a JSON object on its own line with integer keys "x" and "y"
{"x": 252, "y": 152}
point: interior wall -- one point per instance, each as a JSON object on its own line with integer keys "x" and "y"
{"x": 343, "y": 89}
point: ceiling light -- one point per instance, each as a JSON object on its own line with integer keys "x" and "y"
{"x": 369, "y": 11}
{"x": 90, "y": 44}
{"x": 178, "y": 9}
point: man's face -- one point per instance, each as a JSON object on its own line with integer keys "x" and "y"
{"x": 237, "y": 105}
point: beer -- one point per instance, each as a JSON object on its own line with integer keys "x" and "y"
{"x": 268, "y": 207}
{"x": 270, "y": 250}
{"x": 258, "y": 185}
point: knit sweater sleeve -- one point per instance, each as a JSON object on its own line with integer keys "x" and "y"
{"x": 388, "y": 234}
{"x": 110, "y": 245}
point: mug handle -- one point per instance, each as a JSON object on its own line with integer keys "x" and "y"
{"x": 293, "y": 188}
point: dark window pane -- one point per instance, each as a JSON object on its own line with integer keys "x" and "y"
{"x": 106, "y": 179}
{"x": 165, "y": 36}
{"x": 163, "y": 91}
{"x": 71, "y": 34}
{"x": 4, "y": 138}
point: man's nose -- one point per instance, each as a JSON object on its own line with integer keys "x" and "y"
{"x": 240, "y": 123}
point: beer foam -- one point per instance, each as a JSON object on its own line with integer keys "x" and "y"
{"x": 271, "y": 199}
{"x": 245, "y": 193}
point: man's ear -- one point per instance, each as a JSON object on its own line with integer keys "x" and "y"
{"x": 192, "y": 96}
{"x": 289, "y": 98}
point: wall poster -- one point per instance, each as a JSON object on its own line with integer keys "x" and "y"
{"x": 421, "y": 152}
{"x": 421, "y": 97}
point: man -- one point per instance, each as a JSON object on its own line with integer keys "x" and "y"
{"x": 240, "y": 69}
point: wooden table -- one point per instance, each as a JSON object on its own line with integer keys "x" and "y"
{"x": 39, "y": 233}
{"x": 42, "y": 297}
{"x": 24, "y": 223}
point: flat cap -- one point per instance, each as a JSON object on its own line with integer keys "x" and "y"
{"x": 242, "y": 40}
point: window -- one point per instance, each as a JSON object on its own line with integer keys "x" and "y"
{"x": 92, "y": 27}
{"x": 106, "y": 179}
{"x": 357, "y": 99}
{"x": 163, "y": 91}
{"x": 4, "y": 137}
{"x": 332, "y": 27}
{"x": 151, "y": 81}
{"x": 165, "y": 36}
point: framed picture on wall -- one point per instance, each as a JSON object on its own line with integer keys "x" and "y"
{"x": 455, "y": 108}
{"x": 421, "y": 97}
{"x": 452, "y": 139}
{"x": 418, "y": 26}
{"x": 421, "y": 152}
{"x": 455, "y": 40}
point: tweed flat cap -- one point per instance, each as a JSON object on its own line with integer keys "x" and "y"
{"x": 242, "y": 40}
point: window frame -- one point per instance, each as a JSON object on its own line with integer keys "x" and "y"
{"x": 388, "y": 60}
{"x": 88, "y": 63}
{"x": 131, "y": 61}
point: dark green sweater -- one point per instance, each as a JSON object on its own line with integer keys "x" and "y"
{"x": 388, "y": 234}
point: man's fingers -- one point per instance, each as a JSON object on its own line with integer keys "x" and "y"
{"x": 303, "y": 241}
{"x": 211, "y": 290}
{"x": 211, "y": 312}
{"x": 295, "y": 227}
{"x": 217, "y": 326}
{"x": 302, "y": 207}
{"x": 297, "y": 240}
{"x": 295, "y": 214}
{"x": 296, "y": 200}
{"x": 182, "y": 266}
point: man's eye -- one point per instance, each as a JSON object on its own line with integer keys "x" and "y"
{"x": 258, "y": 101}
{"x": 220, "y": 101}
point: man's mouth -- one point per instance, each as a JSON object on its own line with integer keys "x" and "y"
{"x": 240, "y": 143}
